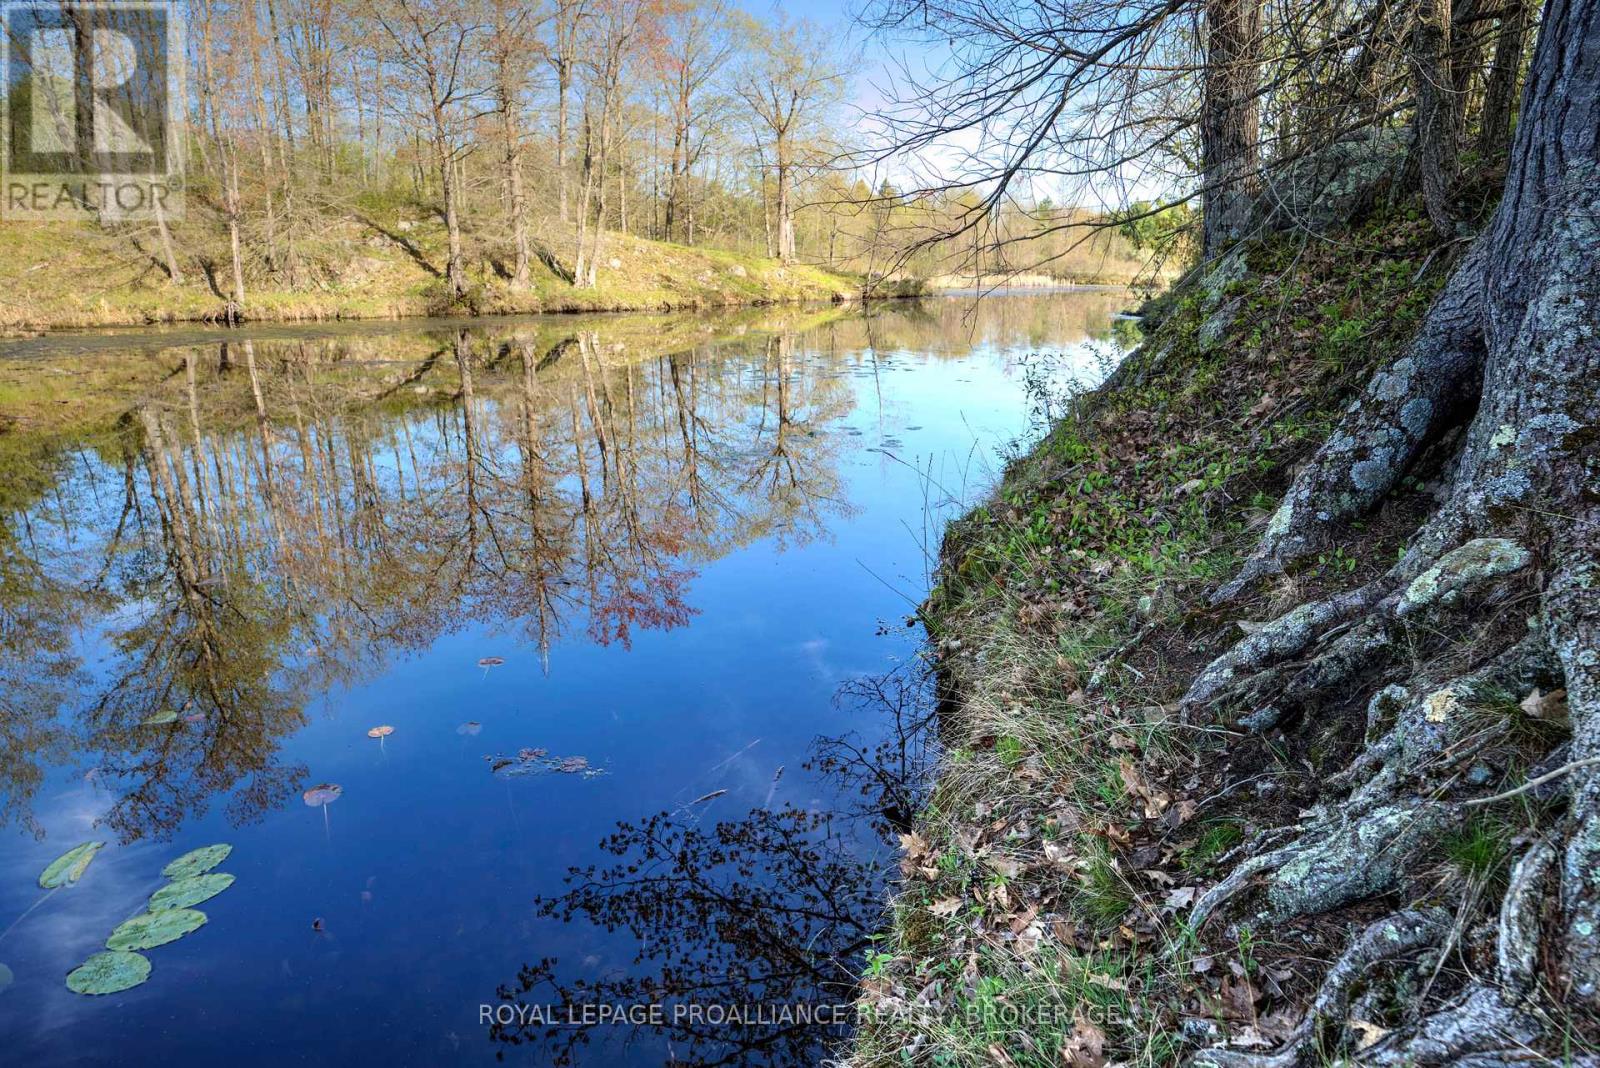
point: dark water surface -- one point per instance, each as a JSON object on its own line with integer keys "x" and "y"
{"x": 693, "y": 541}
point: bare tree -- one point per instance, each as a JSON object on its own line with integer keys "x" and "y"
{"x": 614, "y": 33}
{"x": 510, "y": 46}
{"x": 789, "y": 83}
{"x": 567, "y": 20}
{"x": 430, "y": 43}
{"x": 695, "y": 47}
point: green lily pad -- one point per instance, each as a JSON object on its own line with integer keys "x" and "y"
{"x": 109, "y": 973}
{"x": 197, "y": 861}
{"x": 151, "y": 929}
{"x": 165, "y": 716}
{"x": 68, "y": 868}
{"x": 184, "y": 893}
{"x": 7, "y": 977}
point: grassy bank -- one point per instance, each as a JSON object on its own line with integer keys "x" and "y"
{"x": 382, "y": 261}
{"x": 1076, "y": 816}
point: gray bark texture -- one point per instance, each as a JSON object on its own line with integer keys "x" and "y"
{"x": 1511, "y": 352}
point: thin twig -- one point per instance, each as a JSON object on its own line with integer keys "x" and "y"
{"x": 1540, "y": 781}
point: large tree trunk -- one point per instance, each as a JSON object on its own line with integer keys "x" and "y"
{"x": 1517, "y": 330}
{"x": 1230, "y": 123}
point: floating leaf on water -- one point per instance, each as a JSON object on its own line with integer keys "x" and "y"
{"x": 166, "y": 715}
{"x": 6, "y": 977}
{"x": 186, "y": 893}
{"x": 472, "y": 726}
{"x": 196, "y": 861}
{"x": 490, "y": 661}
{"x": 150, "y": 929}
{"x": 68, "y": 868}
{"x": 534, "y": 760}
{"x": 380, "y": 732}
{"x": 109, "y": 973}
{"x": 323, "y": 794}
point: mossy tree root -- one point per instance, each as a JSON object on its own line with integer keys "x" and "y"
{"x": 1399, "y": 935}
{"x": 1517, "y": 332}
{"x": 1406, "y": 406}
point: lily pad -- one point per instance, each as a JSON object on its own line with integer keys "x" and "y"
{"x": 197, "y": 861}
{"x": 150, "y": 929}
{"x": 108, "y": 973}
{"x": 185, "y": 893}
{"x": 490, "y": 661}
{"x": 165, "y": 716}
{"x": 68, "y": 868}
{"x": 6, "y": 977}
{"x": 380, "y": 732}
{"x": 323, "y": 794}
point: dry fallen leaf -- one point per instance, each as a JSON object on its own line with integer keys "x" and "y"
{"x": 1085, "y": 1047}
{"x": 1550, "y": 706}
{"x": 1367, "y": 1034}
{"x": 1181, "y": 897}
{"x": 1178, "y": 815}
{"x": 1004, "y": 865}
{"x": 947, "y": 906}
{"x": 915, "y": 845}
{"x": 1248, "y": 1038}
{"x": 1279, "y": 1025}
{"x": 1238, "y": 998}
{"x": 999, "y": 1057}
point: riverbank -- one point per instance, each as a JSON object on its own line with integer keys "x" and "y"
{"x": 1080, "y": 812}
{"x": 57, "y": 276}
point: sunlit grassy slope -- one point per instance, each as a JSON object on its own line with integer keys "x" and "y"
{"x": 381, "y": 263}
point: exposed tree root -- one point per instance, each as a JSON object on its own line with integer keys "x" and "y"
{"x": 1391, "y": 938}
{"x": 1406, "y": 406}
{"x": 1515, "y": 334}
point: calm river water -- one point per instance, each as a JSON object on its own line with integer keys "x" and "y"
{"x": 632, "y": 594}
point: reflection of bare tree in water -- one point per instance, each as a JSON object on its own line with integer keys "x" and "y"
{"x": 294, "y": 513}
{"x": 771, "y": 913}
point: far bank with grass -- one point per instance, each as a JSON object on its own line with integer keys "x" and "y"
{"x": 382, "y": 262}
